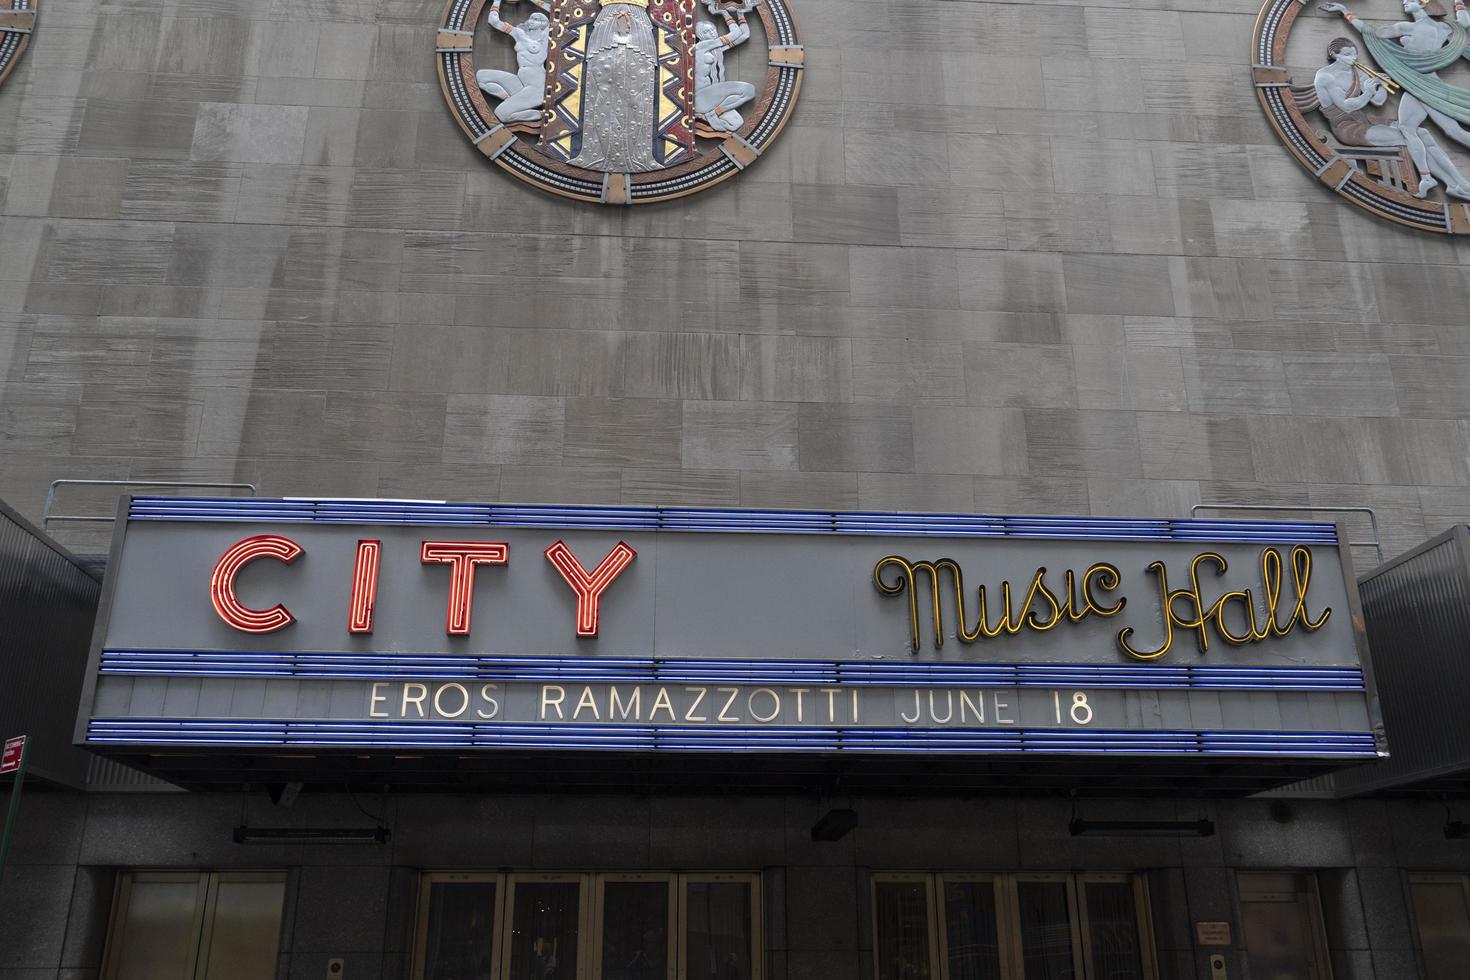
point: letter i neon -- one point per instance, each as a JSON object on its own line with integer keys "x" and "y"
{"x": 364, "y": 587}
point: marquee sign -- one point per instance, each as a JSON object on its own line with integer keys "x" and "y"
{"x": 620, "y": 101}
{"x": 17, "y": 21}
{"x": 276, "y": 625}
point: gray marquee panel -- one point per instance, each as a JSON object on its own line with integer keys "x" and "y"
{"x": 757, "y": 597}
{"x": 765, "y": 641}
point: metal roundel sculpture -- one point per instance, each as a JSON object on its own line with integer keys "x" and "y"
{"x": 17, "y": 20}
{"x": 620, "y": 101}
{"x": 1383, "y": 116}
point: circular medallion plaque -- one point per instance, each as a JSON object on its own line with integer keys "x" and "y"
{"x": 1369, "y": 96}
{"x": 619, "y": 101}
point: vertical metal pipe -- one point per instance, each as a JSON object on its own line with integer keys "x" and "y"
{"x": 14, "y": 812}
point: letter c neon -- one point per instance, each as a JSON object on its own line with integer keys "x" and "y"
{"x": 222, "y": 583}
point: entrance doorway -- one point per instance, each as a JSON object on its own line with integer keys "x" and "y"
{"x": 576, "y": 926}
{"x": 1012, "y": 927}
{"x": 1281, "y": 918}
{"x": 195, "y": 925}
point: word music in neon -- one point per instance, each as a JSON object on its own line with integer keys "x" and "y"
{"x": 1042, "y": 608}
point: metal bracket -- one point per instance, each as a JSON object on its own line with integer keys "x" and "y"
{"x": 740, "y": 152}
{"x": 1376, "y": 544}
{"x": 47, "y": 517}
{"x": 787, "y": 56}
{"x": 17, "y": 21}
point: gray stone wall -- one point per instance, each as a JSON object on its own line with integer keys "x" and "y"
{"x": 358, "y": 902}
{"x": 1012, "y": 257}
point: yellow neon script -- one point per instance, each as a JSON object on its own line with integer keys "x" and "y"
{"x": 1233, "y": 617}
{"x": 1200, "y": 618}
{"x": 1041, "y": 609}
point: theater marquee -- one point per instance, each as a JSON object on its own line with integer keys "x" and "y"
{"x": 280, "y": 624}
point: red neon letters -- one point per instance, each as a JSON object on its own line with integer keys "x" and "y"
{"x": 462, "y": 557}
{"x": 364, "y": 587}
{"x": 589, "y": 587}
{"x": 222, "y": 583}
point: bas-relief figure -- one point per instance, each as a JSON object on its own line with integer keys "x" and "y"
{"x": 1344, "y": 91}
{"x": 1411, "y": 53}
{"x": 618, "y": 108}
{"x": 618, "y": 92}
{"x": 715, "y": 98}
{"x": 523, "y": 93}
{"x": 622, "y": 102}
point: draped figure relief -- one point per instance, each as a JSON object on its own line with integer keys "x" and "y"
{"x": 620, "y": 92}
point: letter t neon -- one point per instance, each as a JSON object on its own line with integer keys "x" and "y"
{"x": 462, "y": 557}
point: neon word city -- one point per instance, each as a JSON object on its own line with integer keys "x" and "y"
{"x": 462, "y": 557}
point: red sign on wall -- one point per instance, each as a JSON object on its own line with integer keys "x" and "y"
{"x": 10, "y": 757}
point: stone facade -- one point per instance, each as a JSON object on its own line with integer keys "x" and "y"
{"x": 1029, "y": 258}
{"x": 1015, "y": 258}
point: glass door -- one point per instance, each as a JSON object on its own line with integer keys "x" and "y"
{"x": 1116, "y": 931}
{"x": 1012, "y": 927}
{"x": 903, "y": 918}
{"x": 973, "y": 917}
{"x": 545, "y": 936}
{"x": 719, "y": 922}
{"x": 1281, "y": 917}
{"x": 574, "y": 926}
{"x": 195, "y": 925}
{"x": 460, "y": 926}
{"x": 634, "y": 918}
{"x": 1441, "y": 905}
{"x": 1048, "y": 940}
{"x": 242, "y": 925}
{"x": 157, "y": 919}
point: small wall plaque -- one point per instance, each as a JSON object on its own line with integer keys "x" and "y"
{"x": 1212, "y": 933}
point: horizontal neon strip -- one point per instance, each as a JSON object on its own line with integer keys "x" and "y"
{"x": 225, "y": 732}
{"x": 779, "y": 673}
{"x": 420, "y": 512}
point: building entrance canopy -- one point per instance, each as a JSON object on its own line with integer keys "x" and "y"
{"x": 307, "y": 631}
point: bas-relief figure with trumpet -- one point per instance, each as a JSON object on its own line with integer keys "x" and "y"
{"x": 1345, "y": 88}
{"x": 1410, "y": 55}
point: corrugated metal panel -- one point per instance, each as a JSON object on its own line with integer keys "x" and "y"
{"x": 1318, "y": 788}
{"x": 1417, "y": 614}
{"x": 106, "y": 776}
{"x": 48, "y": 602}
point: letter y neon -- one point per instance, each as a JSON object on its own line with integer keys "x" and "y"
{"x": 589, "y": 586}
